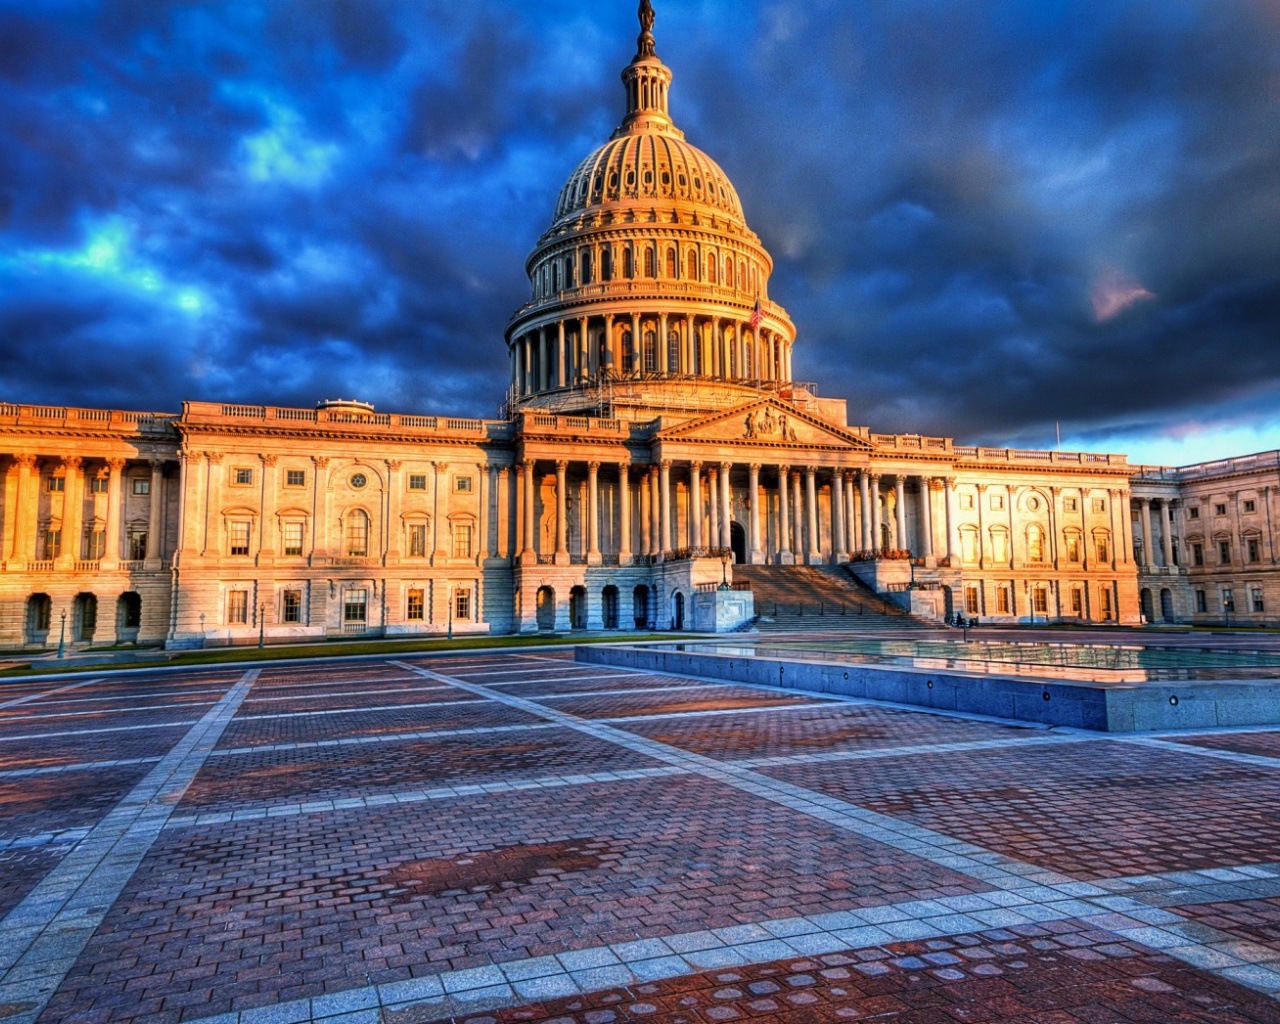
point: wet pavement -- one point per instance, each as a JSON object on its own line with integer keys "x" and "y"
{"x": 493, "y": 838}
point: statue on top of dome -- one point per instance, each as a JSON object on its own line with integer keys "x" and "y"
{"x": 646, "y": 24}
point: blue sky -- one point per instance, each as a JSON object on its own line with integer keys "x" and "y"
{"x": 988, "y": 219}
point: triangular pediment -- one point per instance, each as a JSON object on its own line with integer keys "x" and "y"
{"x": 769, "y": 424}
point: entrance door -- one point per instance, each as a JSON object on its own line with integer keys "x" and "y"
{"x": 640, "y": 606}
{"x": 677, "y": 611}
{"x": 86, "y": 616}
{"x": 738, "y": 542}
{"x": 1166, "y": 604}
{"x": 609, "y": 602}
{"x": 546, "y": 609}
{"x": 578, "y": 608}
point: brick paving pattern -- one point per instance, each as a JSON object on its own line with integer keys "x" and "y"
{"x": 364, "y": 843}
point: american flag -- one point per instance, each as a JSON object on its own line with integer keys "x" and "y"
{"x": 756, "y": 314}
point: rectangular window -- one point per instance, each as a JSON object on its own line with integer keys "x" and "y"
{"x": 95, "y": 545}
{"x": 1040, "y": 597}
{"x": 1197, "y": 554}
{"x": 355, "y": 605}
{"x": 462, "y": 484}
{"x": 416, "y": 606}
{"x": 1202, "y": 601}
{"x": 969, "y": 546}
{"x": 971, "y": 600}
{"x": 1077, "y": 601}
{"x": 1000, "y": 547}
{"x": 1002, "y": 600}
{"x": 52, "y": 543}
{"x": 241, "y": 477}
{"x": 98, "y": 485}
{"x": 1105, "y": 596}
{"x": 293, "y": 535}
{"x": 291, "y": 606}
{"x": 1228, "y": 599}
{"x": 417, "y": 540}
{"x": 1219, "y": 510}
{"x": 1104, "y": 550}
{"x": 1070, "y": 505}
{"x": 417, "y": 481}
{"x": 1073, "y": 548}
{"x": 462, "y": 603}
{"x": 357, "y": 535}
{"x": 239, "y": 538}
{"x": 1250, "y": 505}
{"x": 1193, "y": 512}
{"x": 462, "y": 541}
{"x": 966, "y": 501}
{"x": 1099, "y": 504}
{"x": 238, "y": 607}
{"x": 1259, "y": 604}
{"x": 141, "y": 485}
{"x": 1255, "y": 549}
{"x": 55, "y": 483}
{"x": 295, "y": 478}
{"x": 997, "y": 501}
{"x": 1224, "y": 552}
{"x": 137, "y": 545}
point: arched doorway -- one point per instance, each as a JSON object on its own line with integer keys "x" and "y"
{"x": 949, "y": 604}
{"x": 128, "y": 616}
{"x": 578, "y": 608}
{"x": 677, "y": 611}
{"x": 39, "y": 618}
{"x": 1166, "y": 604}
{"x": 1144, "y": 601}
{"x": 640, "y": 606}
{"x": 84, "y": 613}
{"x": 609, "y": 606}
{"x": 738, "y": 542}
{"x": 546, "y": 609}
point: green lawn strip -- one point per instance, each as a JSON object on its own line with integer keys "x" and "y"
{"x": 233, "y": 655}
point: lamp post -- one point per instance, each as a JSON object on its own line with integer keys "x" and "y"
{"x": 262, "y": 624}
{"x": 724, "y": 570}
{"x": 450, "y": 611}
{"x": 1226, "y": 612}
{"x": 62, "y": 637}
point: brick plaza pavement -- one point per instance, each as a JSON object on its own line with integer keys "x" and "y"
{"x": 516, "y": 837}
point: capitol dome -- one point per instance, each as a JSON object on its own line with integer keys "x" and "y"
{"x": 648, "y": 280}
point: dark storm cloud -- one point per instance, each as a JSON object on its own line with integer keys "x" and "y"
{"x": 985, "y": 217}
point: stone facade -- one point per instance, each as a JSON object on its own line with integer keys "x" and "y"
{"x": 654, "y": 433}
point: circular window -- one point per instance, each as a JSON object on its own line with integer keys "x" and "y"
{"x": 1033, "y": 503}
{"x": 358, "y": 480}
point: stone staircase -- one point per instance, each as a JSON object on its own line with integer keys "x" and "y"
{"x": 810, "y": 598}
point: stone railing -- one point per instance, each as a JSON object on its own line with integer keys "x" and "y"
{"x": 215, "y": 414}
{"x": 66, "y": 418}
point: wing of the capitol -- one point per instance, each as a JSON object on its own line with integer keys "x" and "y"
{"x": 654, "y": 439}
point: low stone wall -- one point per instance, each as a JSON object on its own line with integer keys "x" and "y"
{"x": 1098, "y": 707}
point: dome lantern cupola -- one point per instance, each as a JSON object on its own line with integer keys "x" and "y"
{"x": 648, "y": 82}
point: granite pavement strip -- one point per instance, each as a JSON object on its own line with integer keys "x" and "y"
{"x": 42, "y": 936}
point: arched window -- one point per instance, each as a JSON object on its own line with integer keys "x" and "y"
{"x": 1035, "y": 544}
{"x": 712, "y": 275}
{"x": 731, "y": 343}
{"x": 673, "y": 351}
{"x": 748, "y": 358}
{"x": 650, "y": 352}
{"x": 586, "y": 266}
{"x": 628, "y": 263}
{"x": 691, "y": 265}
{"x": 650, "y": 270}
{"x": 606, "y": 265}
{"x": 671, "y": 264}
{"x": 357, "y": 534}
{"x": 728, "y": 271}
{"x": 559, "y": 277}
{"x": 628, "y": 353}
{"x": 570, "y": 277}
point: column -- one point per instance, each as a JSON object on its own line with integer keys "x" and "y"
{"x": 637, "y": 349}
{"x": 586, "y": 365}
{"x": 726, "y": 508}
{"x": 492, "y": 506}
{"x": 543, "y": 379}
{"x": 949, "y": 500}
{"x": 755, "y": 556}
{"x": 717, "y": 349}
{"x": 864, "y": 491}
{"x": 664, "y": 350}
{"x": 797, "y": 516}
{"x": 785, "y": 557}
{"x": 811, "y": 508}
{"x": 265, "y": 548}
{"x": 593, "y": 514}
{"x": 926, "y": 517}
{"x": 319, "y": 510}
{"x": 713, "y": 485}
{"x": 504, "y": 541}
{"x": 664, "y": 494}
{"x": 517, "y": 375}
{"x": 851, "y": 514}
{"x": 646, "y": 532}
{"x": 189, "y": 473}
{"x": 1166, "y": 532}
{"x": 690, "y": 340}
{"x": 155, "y": 504}
{"x": 877, "y": 534}
{"x": 610, "y": 346}
{"x": 528, "y": 552}
{"x": 839, "y": 553}
{"x": 655, "y": 514}
{"x": 72, "y": 509}
{"x": 562, "y": 513}
{"x": 1144, "y": 511}
{"x": 439, "y": 554}
{"x": 213, "y": 500}
{"x": 900, "y": 510}
{"x": 624, "y": 513}
{"x": 562, "y": 359}
{"x": 695, "y": 505}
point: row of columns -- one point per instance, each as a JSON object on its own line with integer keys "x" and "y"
{"x": 25, "y": 515}
{"x": 566, "y": 353}
{"x": 1145, "y": 506}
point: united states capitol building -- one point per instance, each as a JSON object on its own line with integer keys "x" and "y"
{"x": 655, "y": 438}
